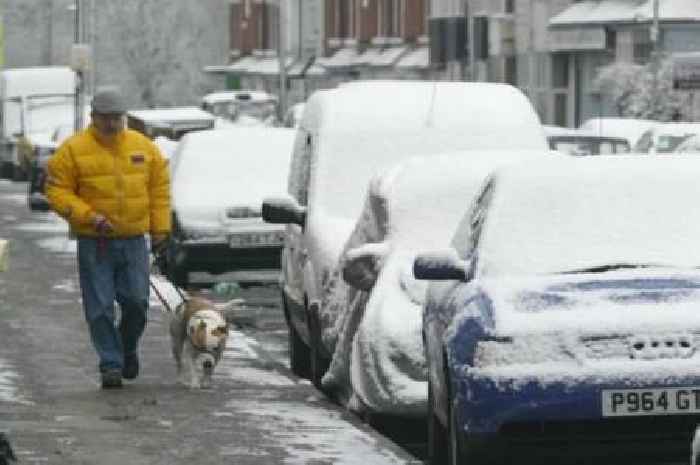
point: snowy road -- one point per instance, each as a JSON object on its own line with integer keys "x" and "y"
{"x": 54, "y": 412}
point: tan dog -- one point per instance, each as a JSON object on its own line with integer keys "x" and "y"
{"x": 198, "y": 334}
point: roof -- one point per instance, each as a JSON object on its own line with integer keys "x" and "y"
{"x": 37, "y": 80}
{"x": 613, "y": 11}
{"x": 173, "y": 114}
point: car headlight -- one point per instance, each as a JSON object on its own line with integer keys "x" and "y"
{"x": 258, "y": 239}
{"x": 540, "y": 348}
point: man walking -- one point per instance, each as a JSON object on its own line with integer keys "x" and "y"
{"x": 112, "y": 185}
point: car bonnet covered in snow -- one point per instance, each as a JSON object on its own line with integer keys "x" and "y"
{"x": 215, "y": 170}
{"x": 416, "y": 205}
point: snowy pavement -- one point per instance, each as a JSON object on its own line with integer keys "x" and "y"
{"x": 53, "y": 411}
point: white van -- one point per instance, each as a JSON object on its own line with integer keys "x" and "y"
{"x": 350, "y": 133}
{"x": 37, "y": 100}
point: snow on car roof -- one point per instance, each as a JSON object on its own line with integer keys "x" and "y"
{"x": 629, "y": 128}
{"x": 220, "y": 168}
{"x": 173, "y": 114}
{"x": 364, "y": 129}
{"x": 571, "y": 214}
{"x": 37, "y": 80}
{"x": 427, "y": 196}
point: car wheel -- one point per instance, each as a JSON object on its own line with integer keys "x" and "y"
{"x": 454, "y": 453}
{"x": 18, "y": 174}
{"x": 319, "y": 364}
{"x": 298, "y": 351}
{"x": 437, "y": 434}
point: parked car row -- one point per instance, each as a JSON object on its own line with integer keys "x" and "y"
{"x": 446, "y": 264}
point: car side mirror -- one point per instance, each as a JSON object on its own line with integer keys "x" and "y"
{"x": 441, "y": 266}
{"x": 283, "y": 210}
{"x": 361, "y": 267}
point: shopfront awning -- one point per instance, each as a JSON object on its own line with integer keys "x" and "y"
{"x": 591, "y": 12}
{"x": 381, "y": 57}
{"x": 344, "y": 58}
{"x": 418, "y": 58}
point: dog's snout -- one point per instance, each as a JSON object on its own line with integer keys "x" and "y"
{"x": 208, "y": 364}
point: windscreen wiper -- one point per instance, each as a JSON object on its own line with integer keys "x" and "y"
{"x": 609, "y": 267}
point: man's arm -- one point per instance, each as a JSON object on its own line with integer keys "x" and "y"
{"x": 61, "y": 188}
{"x": 159, "y": 192}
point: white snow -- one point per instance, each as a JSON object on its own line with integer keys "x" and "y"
{"x": 362, "y": 128}
{"x": 311, "y": 435}
{"x": 377, "y": 337}
{"x": 218, "y": 169}
{"x": 172, "y": 115}
{"x": 595, "y": 11}
{"x": 569, "y": 214}
{"x": 573, "y": 214}
{"x": 8, "y": 387}
{"x": 629, "y": 128}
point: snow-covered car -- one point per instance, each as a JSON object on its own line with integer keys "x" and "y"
{"x": 565, "y": 313}
{"x": 172, "y": 122}
{"x": 242, "y": 107}
{"x": 578, "y": 142}
{"x": 628, "y": 128}
{"x": 219, "y": 178}
{"x": 666, "y": 137}
{"x": 378, "y": 364}
{"x": 346, "y": 136}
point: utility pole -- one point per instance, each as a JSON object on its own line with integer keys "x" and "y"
{"x": 655, "y": 54}
{"x": 80, "y": 62}
{"x": 282, "y": 55}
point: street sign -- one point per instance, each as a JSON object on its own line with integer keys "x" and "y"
{"x": 686, "y": 71}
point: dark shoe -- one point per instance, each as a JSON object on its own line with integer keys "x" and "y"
{"x": 131, "y": 367}
{"x": 111, "y": 379}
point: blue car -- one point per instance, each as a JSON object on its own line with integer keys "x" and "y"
{"x": 564, "y": 321}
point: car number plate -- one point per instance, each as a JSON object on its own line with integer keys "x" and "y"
{"x": 636, "y": 402}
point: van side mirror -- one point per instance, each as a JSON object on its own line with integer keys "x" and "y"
{"x": 361, "y": 267}
{"x": 441, "y": 266}
{"x": 283, "y": 210}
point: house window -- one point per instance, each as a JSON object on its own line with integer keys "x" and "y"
{"x": 510, "y": 6}
{"x": 390, "y": 13}
{"x": 344, "y": 18}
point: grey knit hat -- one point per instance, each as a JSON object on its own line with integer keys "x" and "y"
{"x": 108, "y": 100}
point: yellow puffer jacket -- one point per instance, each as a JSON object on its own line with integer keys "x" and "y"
{"x": 126, "y": 180}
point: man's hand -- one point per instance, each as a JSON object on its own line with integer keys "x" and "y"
{"x": 159, "y": 242}
{"x": 102, "y": 225}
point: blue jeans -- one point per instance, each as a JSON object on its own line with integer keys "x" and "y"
{"x": 114, "y": 269}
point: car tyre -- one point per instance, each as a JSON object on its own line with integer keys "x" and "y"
{"x": 319, "y": 364}
{"x": 299, "y": 352}
{"x": 437, "y": 434}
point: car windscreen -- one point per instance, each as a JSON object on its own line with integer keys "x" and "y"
{"x": 547, "y": 224}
